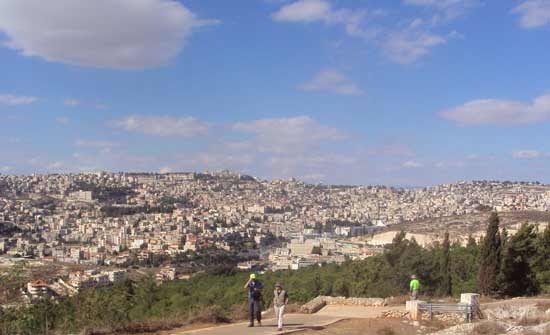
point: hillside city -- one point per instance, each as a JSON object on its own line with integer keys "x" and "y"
{"x": 102, "y": 226}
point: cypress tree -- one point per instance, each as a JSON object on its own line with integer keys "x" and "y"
{"x": 445, "y": 267}
{"x": 517, "y": 276}
{"x": 503, "y": 237}
{"x": 490, "y": 257}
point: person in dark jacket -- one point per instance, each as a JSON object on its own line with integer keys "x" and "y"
{"x": 254, "y": 287}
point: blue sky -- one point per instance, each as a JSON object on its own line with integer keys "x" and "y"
{"x": 403, "y": 92}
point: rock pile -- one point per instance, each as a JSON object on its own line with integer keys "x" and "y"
{"x": 447, "y": 318}
{"x": 395, "y": 314}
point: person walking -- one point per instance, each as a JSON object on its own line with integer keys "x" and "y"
{"x": 280, "y": 300}
{"x": 254, "y": 288}
{"x": 414, "y": 287}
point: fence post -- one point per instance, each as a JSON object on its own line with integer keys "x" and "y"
{"x": 472, "y": 299}
{"x": 413, "y": 307}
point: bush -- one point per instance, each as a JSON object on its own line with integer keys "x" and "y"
{"x": 488, "y": 328}
{"x": 209, "y": 314}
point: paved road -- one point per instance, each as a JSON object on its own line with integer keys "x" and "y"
{"x": 293, "y": 323}
{"x": 296, "y": 322}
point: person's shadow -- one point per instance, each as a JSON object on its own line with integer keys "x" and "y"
{"x": 296, "y": 327}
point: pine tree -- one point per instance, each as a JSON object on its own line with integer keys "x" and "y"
{"x": 445, "y": 267}
{"x": 517, "y": 276}
{"x": 490, "y": 258}
{"x": 542, "y": 261}
{"x": 397, "y": 248}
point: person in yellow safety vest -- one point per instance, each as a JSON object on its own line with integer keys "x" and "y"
{"x": 414, "y": 286}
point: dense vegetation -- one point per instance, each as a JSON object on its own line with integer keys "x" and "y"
{"x": 512, "y": 266}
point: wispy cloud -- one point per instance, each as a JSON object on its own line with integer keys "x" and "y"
{"x": 306, "y": 11}
{"x": 12, "y": 100}
{"x": 446, "y": 9}
{"x": 533, "y": 13}
{"x": 71, "y": 102}
{"x": 527, "y": 154}
{"x": 63, "y": 120}
{"x": 185, "y": 126}
{"x": 500, "y": 112}
{"x": 407, "y": 46}
{"x": 288, "y": 134}
{"x": 331, "y": 81}
{"x": 403, "y": 45}
{"x": 411, "y": 164}
{"x": 95, "y": 143}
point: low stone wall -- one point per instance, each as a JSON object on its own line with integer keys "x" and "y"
{"x": 366, "y": 302}
{"x": 321, "y": 301}
{"x": 314, "y": 305}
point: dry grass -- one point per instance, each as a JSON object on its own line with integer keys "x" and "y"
{"x": 486, "y": 299}
{"x": 488, "y": 328}
{"x": 530, "y": 321}
{"x": 543, "y": 306}
{"x": 150, "y": 326}
{"x": 238, "y": 312}
{"x": 385, "y": 331}
{"x": 434, "y": 324}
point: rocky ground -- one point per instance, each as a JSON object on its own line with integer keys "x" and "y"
{"x": 513, "y": 317}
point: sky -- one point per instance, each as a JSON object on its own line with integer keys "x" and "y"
{"x": 394, "y": 92}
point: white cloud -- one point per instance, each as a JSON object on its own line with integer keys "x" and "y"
{"x": 118, "y": 34}
{"x": 331, "y": 81}
{"x": 12, "y": 100}
{"x": 307, "y": 11}
{"x": 185, "y": 126}
{"x": 407, "y": 46}
{"x": 304, "y": 11}
{"x": 526, "y": 154}
{"x": 5, "y": 168}
{"x": 71, "y": 102}
{"x": 63, "y": 120}
{"x": 411, "y": 164}
{"x": 533, "y": 13}
{"x": 500, "y": 112}
{"x": 288, "y": 134}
